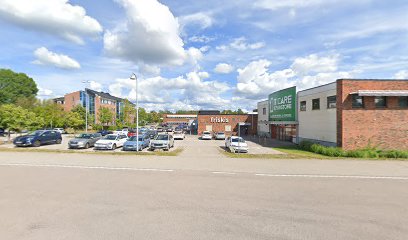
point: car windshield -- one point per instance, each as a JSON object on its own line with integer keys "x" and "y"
{"x": 84, "y": 135}
{"x": 134, "y": 138}
{"x": 35, "y": 133}
{"x": 178, "y": 132}
{"x": 162, "y": 137}
{"x": 238, "y": 140}
{"x": 111, "y": 137}
{"x": 206, "y": 133}
{"x": 220, "y": 133}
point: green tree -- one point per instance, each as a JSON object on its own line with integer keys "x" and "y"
{"x": 74, "y": 120}
{"x": 239, "y": 111}
{"x": 14, "y": 86}
{"x": 52, "y": 113}
{"x": 16, "y": 118}
{"x": 129, "y": 114}
{"x": 105, "y": 116}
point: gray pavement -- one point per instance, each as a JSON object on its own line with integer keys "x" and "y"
{"x": 106, "y": 203}
{"x": 200, "y": 194}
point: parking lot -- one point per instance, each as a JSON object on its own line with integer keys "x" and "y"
{"x": 192, "y": 144}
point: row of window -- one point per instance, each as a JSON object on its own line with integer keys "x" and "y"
{"x": 106, "y": 101}
{"x": 331, "y": 103}
{"x": 379, "y": 102}
{"x": 356, "y": 102}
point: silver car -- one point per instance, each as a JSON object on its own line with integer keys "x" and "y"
{"x": 162, "y": 141}
{"x": 84, "y": 140}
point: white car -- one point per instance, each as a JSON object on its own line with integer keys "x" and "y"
{"x": 179, "y": 135}
{"x": 236, "y": 144}
{"x": 206, "y": 135}
{"x": 60, "y": 130}
{"x": 111, "y": 142}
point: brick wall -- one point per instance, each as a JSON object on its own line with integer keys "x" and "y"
{"x": 71, "y": 100}
{"x": 233, "y": 120}
{"x": 111, "y": 107}
{"x": 385, "y": 128}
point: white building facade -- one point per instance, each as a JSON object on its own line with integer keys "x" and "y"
{"x": 263, "y": 119}
{"x": 317, "y": 115}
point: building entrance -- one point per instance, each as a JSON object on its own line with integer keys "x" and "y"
{"x": 284, "y": 132}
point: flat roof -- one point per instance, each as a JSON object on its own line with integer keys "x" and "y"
{"x": 379, "y": 93}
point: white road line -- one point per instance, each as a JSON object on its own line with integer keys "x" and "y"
{"x": 332, "y": 176}
{"x": 227, "y": 173}
{"x": 87, "y": 167}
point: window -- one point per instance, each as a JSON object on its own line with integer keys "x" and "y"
{"x": 316, "y": 104}
{"x": 303, "y": 106}
{"x": 380, "y": 102}
{"x": 264, "y": 111}
{"x": 403, "y": 102}
{"x": 357, "y": 101}
{"x": 331, "y": 102}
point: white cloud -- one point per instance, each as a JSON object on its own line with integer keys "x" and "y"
{"x": 150, "y": 35}
{"x": 255, "y": 81}
{"x": 95, "y": 86}
{"x": 279, "y": 4}
{"x": 201, "y": 39}
{"x": 241, "y": 44}
{"x": 46, "y": 57}
{"x": 224, "y": 68}
{"x": 190, "y": 91}
{"x": 403, "y": 74}
{"x": 56, "y": 17}
{"x": 315, "y": 63}
{"x": 195, "y": 55}
{"x": 44, "y": 93}
{"x": 201, "y": 19}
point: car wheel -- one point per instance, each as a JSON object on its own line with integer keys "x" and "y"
{"x": 86, "y": 145}
{"x": 58, "y": 141}
{"x": 113, "y": 146}
{"x": 37, "y": 143}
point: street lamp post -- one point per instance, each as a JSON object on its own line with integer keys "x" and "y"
{"x": 86, "y": 106}
{"x": 133, "y": 77}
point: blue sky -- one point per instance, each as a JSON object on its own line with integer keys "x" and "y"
{"x": 201, "y": 54}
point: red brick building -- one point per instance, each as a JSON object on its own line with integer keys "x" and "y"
{"x": 372, "y": 112}
{"x": 179, "y": 119}
{"x": 355, "y": 113}
{"x": 95, "y": 101}
{"x": 213, "y": 121}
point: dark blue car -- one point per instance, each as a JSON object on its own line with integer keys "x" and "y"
{"x": 38, "y": 138}
{"x": 105, "y": 132}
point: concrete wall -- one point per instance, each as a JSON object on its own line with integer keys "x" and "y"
{"x": 385, "y": 128}
{"x": 263, "y": 125}
{"x": 317, "y": 125}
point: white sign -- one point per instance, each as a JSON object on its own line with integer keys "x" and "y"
{"x": 219, "y": 120}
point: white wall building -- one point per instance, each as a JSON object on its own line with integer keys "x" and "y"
{"x": 263, "y": 118}
{"x": 317, "y": 114}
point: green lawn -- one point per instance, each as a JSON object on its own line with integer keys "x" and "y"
{"x": 292, "y": 152}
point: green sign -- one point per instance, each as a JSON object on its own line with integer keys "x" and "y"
{"x": 282, "y": 105}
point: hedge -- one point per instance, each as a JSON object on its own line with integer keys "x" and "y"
{"x": 368, "y": 152}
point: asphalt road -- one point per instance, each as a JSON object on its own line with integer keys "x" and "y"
{"x": 74, "y": 196}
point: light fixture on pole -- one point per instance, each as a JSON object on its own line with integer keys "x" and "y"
{"x": 86, "y": 105}
{"x": 133, "y": 77}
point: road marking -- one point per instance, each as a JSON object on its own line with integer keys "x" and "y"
{"x": 88, "y": 167}
{"x": 332, "y": 176}
{"x": 227, "y": 173}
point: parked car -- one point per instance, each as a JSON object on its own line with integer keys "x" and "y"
{"x": 131, "y": 133}
{"x": 38, "y": 138}
{"x": 160, "y": 129}
{"x": 169, "y": 130}
{"x": 60, "y": 130}
{"x": 206, "y": 135}
{"x": 111, "y": 141}
{"x": 84, "y": 140}
{"x": 131, "y": 143}
{"x": 179, "y": 135}
{"x": 219, "y": 136}
{"x": 236, "y": 144}
{"x": 105, "y": 132}
{"x": 151, "y": 134}
{"x": 162, "y": 141}
{"x": 2, "y": 132}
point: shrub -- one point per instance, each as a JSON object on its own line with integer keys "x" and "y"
{"x": 306, "y": 145}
